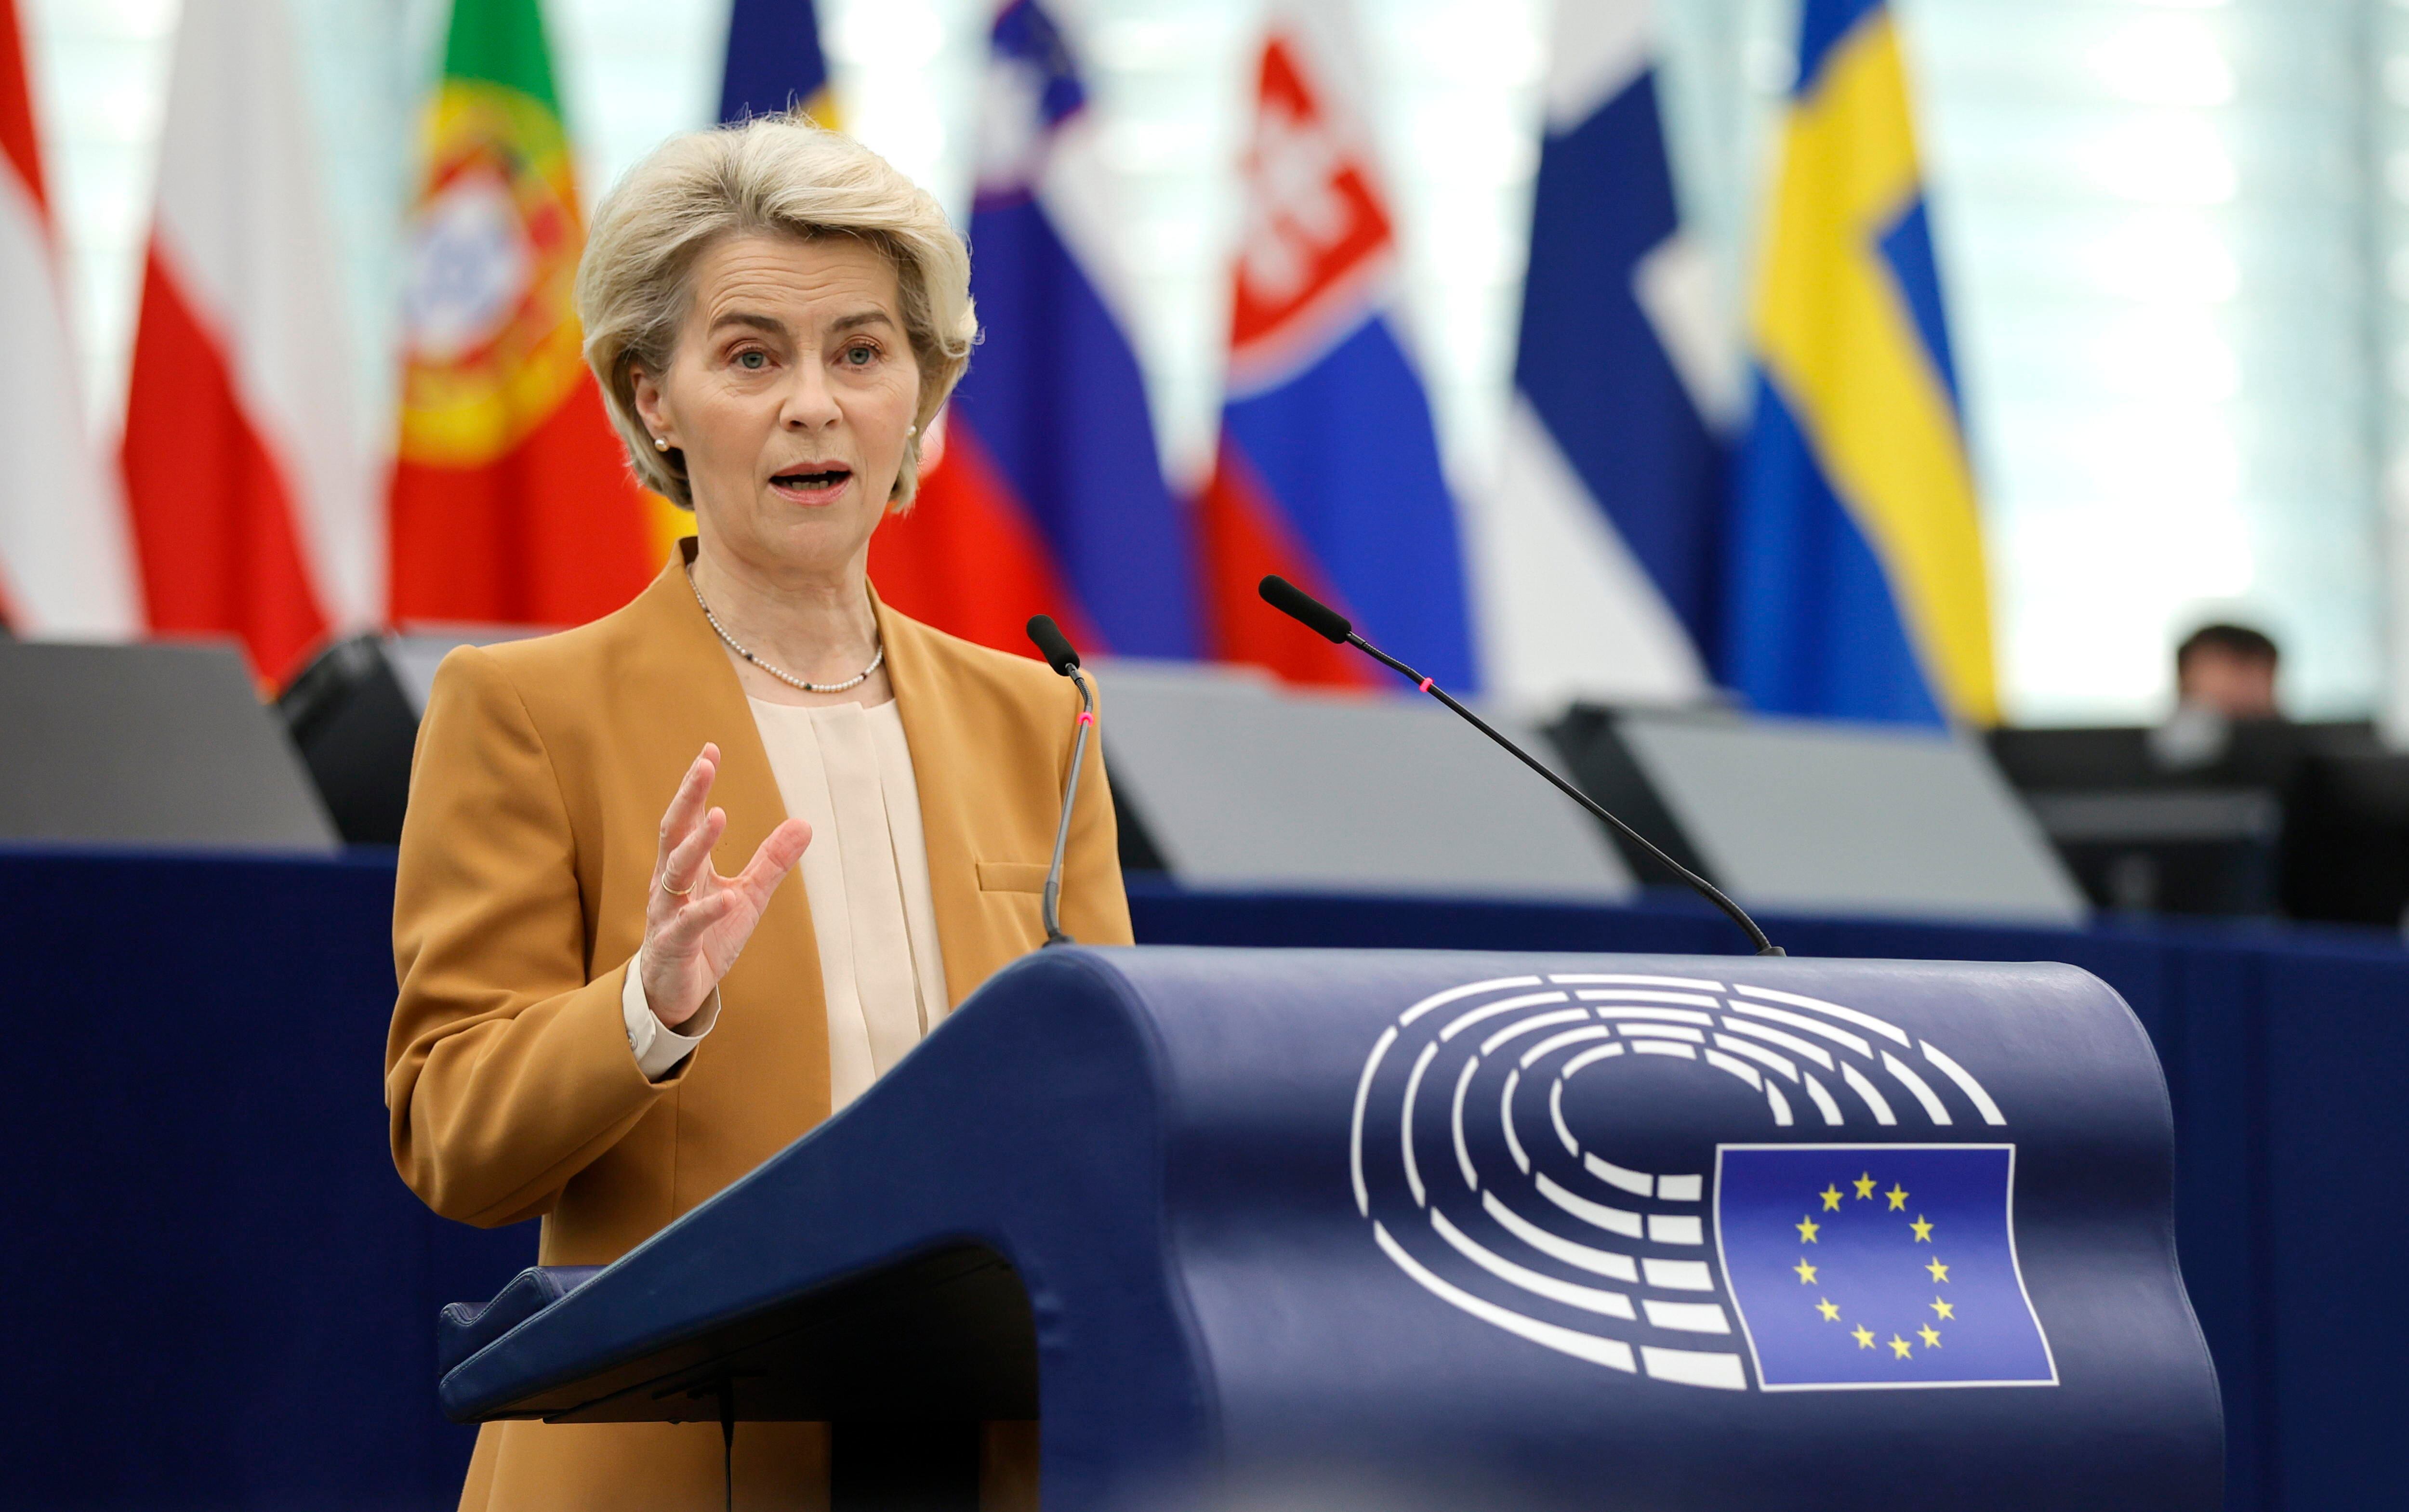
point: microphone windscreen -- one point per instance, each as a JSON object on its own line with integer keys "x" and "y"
{"x": 1053, "y": 644}
{"x": 1304, "y": 609}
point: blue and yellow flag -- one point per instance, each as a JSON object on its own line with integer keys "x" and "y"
{"x": 1856, "y": 586}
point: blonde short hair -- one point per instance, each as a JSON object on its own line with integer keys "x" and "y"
{"x": 779, "y": 174}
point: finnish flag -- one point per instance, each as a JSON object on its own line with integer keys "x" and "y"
{"x": 1599, "y": 547}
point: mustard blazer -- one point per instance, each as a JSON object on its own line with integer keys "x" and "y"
{"x": 536, "y": 795}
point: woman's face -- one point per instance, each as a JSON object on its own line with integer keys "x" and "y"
{"x": 791, "y": 396}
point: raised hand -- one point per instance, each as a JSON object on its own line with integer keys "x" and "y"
{"x": 696, "y": 921}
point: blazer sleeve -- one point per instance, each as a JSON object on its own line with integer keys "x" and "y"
{"x": 1095, "y": 904}
{"x": 506, "y": 1072}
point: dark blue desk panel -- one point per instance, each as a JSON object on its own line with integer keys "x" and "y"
{"x": 221, "y": 1296}
{"x": 1202, "y": 1162}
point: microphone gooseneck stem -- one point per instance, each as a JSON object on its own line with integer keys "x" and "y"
{"x": 1706, "y": 889}
{"x": 1052, "y": 904}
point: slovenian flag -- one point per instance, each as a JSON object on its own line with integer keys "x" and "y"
{"x": 1328, "y": 470}
{"x": 1600, "y": 542}
{"x": 1050, "y": 495}
{"x": 1857, "y": 586}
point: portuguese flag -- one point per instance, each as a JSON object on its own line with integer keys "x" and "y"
{"x": 511, "y": 499}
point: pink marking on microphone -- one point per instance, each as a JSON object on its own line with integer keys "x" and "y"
{"x": 1425, "y": 684}
{"x": 1087, "y": 718}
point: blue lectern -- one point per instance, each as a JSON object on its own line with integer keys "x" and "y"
{"x": 1483, "y": 1229}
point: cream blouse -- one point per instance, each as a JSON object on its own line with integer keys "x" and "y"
{"x": 846, "y": 772}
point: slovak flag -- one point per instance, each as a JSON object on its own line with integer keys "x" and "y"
{"x": 1050, "y": 495}
{"x": 1328, "y": 470}
{"x": 1600, "y": 543}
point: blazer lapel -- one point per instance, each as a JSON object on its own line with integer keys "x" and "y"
{"x": 701, "y": 701}
{"x": 949, "y": 791}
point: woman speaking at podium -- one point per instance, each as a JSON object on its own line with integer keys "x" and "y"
{"x": 612, "y": 1002}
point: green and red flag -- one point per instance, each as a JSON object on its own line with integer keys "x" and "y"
{"x": 512, "y": 501}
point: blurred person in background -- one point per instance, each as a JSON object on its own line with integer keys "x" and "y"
{"x": 2228, "y": 669}
{"x": 2225, "y": 675}
{"x": 610, "y": 1008}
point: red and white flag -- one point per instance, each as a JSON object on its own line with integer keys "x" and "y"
{"x": 252, "y": 499}
{"x": 65, "y": 567}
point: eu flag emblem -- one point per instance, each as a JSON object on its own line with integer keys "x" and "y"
{"x": 1857, "y": 1266}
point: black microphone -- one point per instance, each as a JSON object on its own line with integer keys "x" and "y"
{"x": 1053, "y": 644}
{"x": 1057, "y": 649}
{"x": 1328, "y": 623}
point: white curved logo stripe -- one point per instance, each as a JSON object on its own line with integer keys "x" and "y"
{"x": 1879, "y": 1026}
{"x": 1856, "y": 1043}
{"x": 1611, "y": 1353}
{"x": 1413, "y": 1088}
{"x": 1683, "y": 1000}
{"x": 1554, "y": 1043}
{"x": 1537, "y": 1224}
{"x": 1965, "y": 1084}
{"x": 1660, "y": 1016}
{"x": 1791, "y": 1043}
{"x": 1470, "y": 990}
{"x": 1872, "y": 1094}
{"x": 1758, "y": 1054}
{"x": 1467, "y": 1020}
{"x": 1538, "y": 1021}
{"x": 1455, "y": 1120}
{"x": 1640, "y": 982}
{"x": 1917, "y": 1085}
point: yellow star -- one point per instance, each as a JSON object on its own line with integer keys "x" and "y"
{"x": 1922, "y": 1229}
{"x": 1930, "y": 1335}
{"x": 1831, "y": 1196}
{"x": 1807, "y": 1228}
{"x": 1900, "y": 1347}
{"x": 1948, "y": 1310}
{"x": 1863, "y": 1336}
{"x": 1897, "y": 1195}
{"x": 1830, "y": 1309}
{"x": 1865, "y": 1184}
{"x": 1940, "y": 1272}
{"x": 1805, "y": 1272}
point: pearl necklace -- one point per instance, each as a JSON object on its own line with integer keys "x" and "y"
{"x": 854, "y": 682}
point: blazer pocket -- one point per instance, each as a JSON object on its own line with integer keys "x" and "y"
{"x": 1012, "y": 876}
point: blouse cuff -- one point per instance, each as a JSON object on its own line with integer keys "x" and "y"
{"x": 658, "y": 1047}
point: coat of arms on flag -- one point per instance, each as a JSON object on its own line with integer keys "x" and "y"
{"x": 1865, "y": 1266}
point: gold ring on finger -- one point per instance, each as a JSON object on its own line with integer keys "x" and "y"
{"x": 674, "y": 892}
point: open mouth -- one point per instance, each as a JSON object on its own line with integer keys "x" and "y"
{"x": 818, "y": 482}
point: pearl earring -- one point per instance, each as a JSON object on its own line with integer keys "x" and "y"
{"x": 660, "y": 443}
{"x": 911, "y": 430}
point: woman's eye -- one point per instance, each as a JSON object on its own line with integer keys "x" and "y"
{"x": 860, "y": 356}
{"x": 753, "y": 360}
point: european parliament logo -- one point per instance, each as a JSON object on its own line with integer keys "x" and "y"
{"x": 1865, "y": 1266}
{"x": 1488, "y": 1150}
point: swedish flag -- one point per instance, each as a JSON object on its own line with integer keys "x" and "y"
{"x": 1878, "y": 1265}
{"x": 1855, "y": 584}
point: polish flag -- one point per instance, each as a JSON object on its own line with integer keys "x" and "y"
{"x": 65, "y": 567}
{"x": 249, "y": 493}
